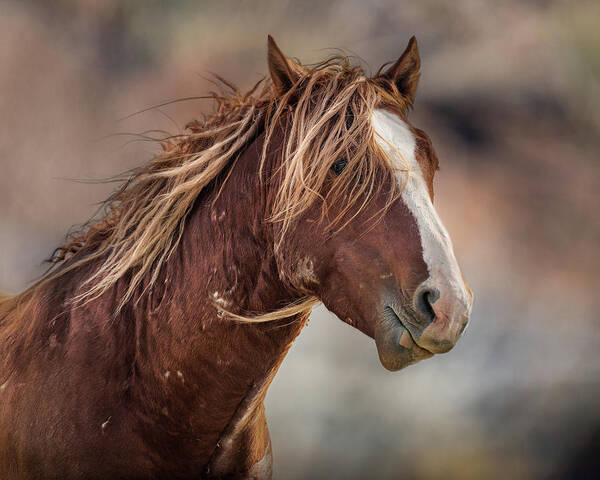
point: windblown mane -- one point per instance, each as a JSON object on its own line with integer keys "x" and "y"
{"x": 326, "y": 115}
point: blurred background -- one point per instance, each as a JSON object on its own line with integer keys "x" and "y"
{"x": 510, "y": 94}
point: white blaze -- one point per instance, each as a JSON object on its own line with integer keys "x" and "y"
{"x": 398, "y": 142}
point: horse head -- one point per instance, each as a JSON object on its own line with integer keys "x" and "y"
{"x": 353, "y": 214}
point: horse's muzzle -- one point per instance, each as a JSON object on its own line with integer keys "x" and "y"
{"x": 433, "y": 324}
{"x": 442, "y": 317}
{"x": 395, "y": 345}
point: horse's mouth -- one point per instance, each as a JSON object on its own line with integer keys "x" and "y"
{"x": 396, "y": 340}
{"x": 407, "y": 321}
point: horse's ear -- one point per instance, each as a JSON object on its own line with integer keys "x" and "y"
{"x": 404, "y": 74}
{"x": 284, "y": 72}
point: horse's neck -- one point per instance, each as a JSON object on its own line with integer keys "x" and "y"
{"x": 184, "y": 382}
{"x": 219, "y": 368}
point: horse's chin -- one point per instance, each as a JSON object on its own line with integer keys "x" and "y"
{"x": 395, "y": 345}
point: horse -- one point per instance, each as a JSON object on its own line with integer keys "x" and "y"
{"x": 148, "y": 347}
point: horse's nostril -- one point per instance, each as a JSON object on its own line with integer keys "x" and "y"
{"x": 425, "y": 297}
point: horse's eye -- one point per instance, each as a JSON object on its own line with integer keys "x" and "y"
{"x": 339, "y": 165}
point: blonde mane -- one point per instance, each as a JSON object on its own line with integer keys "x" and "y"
{"x": 325, "y": 115}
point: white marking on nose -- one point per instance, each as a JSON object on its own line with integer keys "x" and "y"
{"x": 397, "y": 140}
